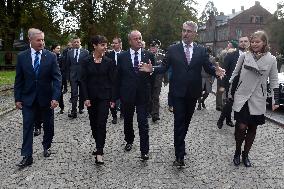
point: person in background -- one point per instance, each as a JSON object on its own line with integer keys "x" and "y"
{"x": 229, "y": 65}
{"x": 207, "y": 81}
{"x": 55, "y": 48}
{"x": 73, "y": 66}
{"x": 63, "y": 67}
{"x": 98, "y": 91}
{"x": 255, "y": 67}
{"x": 113, "y": 54}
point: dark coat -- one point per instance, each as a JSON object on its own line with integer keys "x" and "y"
{"x": 133, "y": 87}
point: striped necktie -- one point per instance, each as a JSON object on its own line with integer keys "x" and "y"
{"x": 187, "y": 53}
{"x": 36, "y": 63}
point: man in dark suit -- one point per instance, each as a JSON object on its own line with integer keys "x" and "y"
{"x": 134, "y": 91}
{"x": 229, "y": 65}
{"x": 75, "y": 57}
{"x": 117, "y": 49}
{"x": 186, "y": 60}
{"x": 36, "y": 90}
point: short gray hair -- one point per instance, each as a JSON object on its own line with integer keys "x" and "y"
{"x": 33, "y": 31}
{"x": 191, "y": 24}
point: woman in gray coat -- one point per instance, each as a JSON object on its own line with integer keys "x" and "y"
{"x": 249, "y": 106}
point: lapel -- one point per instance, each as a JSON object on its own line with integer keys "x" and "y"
{"x": 260, "y": 65}
{"x": 29, "y": 61}
{"x": 182, "y": 54}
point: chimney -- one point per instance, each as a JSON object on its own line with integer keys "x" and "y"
{"x": 257, "y": 3}
{"x": 233, "y": 11}
{"x": 242, "y": 8}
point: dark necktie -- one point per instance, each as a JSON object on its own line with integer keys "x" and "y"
{"x": 36, "y": 63}
{"x": 76, "y": 55}
{"x": 136, "y": 62}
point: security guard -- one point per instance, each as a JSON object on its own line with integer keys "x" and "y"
{"x": 156, "y": 81}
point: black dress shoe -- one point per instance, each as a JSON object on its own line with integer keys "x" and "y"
{"x": 81, "y": 111}
{"x": 230, "y": 123}
{"x": 203, "y": 105}
{"x": 46, "y": 152}
{"x": 128, "y": 147}
{"x": 237, "y": 159}
{"x": 220, "y": 123}
{"x": 72, "y": 115}
{"x": 246, "y": 160}
{"x": 26, "y": 161}
{"x": 154, "y": 119}
{"x": 37, "y": 132}
{"x": 179, "y": 162}
{"x": 144, "y": 156}
{"x": 114, "y": 120}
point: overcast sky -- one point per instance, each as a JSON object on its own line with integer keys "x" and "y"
{"x": 226, "y": 6}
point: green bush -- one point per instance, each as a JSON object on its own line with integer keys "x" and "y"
{"x": 7, "y": 77}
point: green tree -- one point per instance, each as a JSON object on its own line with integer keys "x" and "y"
{"x": 166, "y": 18}
{"x": 209, "y": 9}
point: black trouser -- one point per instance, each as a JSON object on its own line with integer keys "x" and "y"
{"x": 115, "y": 109}
{"x": 29, "y": 116}
{"x": 143, "y": 125}
{"x": 155, "y": 102}
{"x": 219, "y": 96}
{"x": 38, "y": 120}
{"x": 98, "y": 114}
{"x": 75, "y": 92}
{"x": 183, "y": 110}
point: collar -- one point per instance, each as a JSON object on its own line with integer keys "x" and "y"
{"x": 184, "y": 44}
{"x": 132, "y": 52}
{"x": 33, "y": 51}
{"x": 117, "y": 51}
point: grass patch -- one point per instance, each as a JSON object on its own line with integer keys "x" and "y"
{"x": 7, "y": 77}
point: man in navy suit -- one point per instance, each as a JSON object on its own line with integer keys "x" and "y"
{"x": 74, "y": 59}
{"x": 134, "y": 91}
{"x": 186, "y": 60}
{"x": 37, "y": 90}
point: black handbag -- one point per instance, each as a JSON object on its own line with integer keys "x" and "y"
{"x": 235, "y": 82}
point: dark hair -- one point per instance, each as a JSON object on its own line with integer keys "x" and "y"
{"x": 263, "y": 36}
{"x": 98, "y": 39}
{"x": 118, "y": 39}
{"x": 54, "y": 46}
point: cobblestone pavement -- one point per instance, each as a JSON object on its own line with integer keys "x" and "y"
{"x": 208, "y": 161}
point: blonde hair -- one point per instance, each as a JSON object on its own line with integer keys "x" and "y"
{"x": 33, "y": 31}
{"x": 263, "y": 36}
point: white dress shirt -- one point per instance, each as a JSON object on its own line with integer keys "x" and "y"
{"x": 132, "y": 53}
{"x": 190, "y": 48}
{"x": 74, "y": 53}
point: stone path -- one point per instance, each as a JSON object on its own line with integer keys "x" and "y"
{"x": 208, "y": 161}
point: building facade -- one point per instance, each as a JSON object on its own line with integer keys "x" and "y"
{"x": 223, "y": 28}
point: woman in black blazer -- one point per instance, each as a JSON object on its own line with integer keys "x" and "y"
{"x": 98, "y": 85}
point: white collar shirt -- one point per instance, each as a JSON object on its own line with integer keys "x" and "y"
{"x": 132, "y": 53}
{"x": 74, "y": 53}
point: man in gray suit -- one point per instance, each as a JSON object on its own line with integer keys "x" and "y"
{"x": 73, "y": 63}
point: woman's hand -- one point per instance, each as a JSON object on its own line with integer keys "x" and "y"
{"x": 87, "y": 103}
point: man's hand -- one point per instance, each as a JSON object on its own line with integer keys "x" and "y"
{"x": 19, "y": 105}
{"x": 143, "y": 67}
{"x": 220, "y": 72}
{"x": 274, "y": 107}
{"x": 87, "y": 103}
{"x": 53, "y": 104}
{"x": 112, "y": 104}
